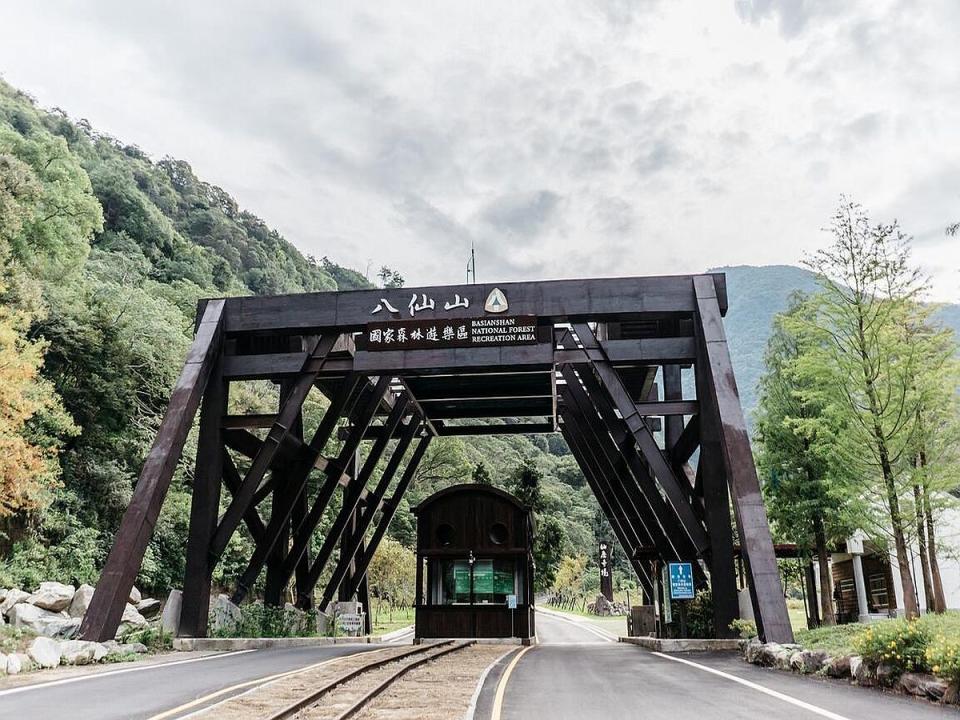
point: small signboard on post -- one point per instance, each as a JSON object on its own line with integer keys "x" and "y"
{"x": 606, "y": 578}
{"x": 351, "y": 623}
{"x": 681, "y": 581}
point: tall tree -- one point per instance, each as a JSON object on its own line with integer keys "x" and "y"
{"x": 795, "y": 439}
{"x": 935, "y": 457}
{"x": 870, "y": 290}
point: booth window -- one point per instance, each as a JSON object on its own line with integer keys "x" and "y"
{"x": 491, "y": 581}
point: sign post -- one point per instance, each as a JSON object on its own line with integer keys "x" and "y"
{"x": 603, "y": 561}
{"x": 681, "y": 588}
{"x": 512, "y": 604}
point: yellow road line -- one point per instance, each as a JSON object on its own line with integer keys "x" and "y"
{"x": 502, "y": 685}
{"x": 239, "y": 686}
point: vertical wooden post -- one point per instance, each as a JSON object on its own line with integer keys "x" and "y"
{"x": 204, "y": 509}
{"x": 672, "y": 390}
{"x": 285, "y": 484}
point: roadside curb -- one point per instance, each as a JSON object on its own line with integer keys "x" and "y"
{"x": 666, "y": 645}
{"x": 218, "y": 644}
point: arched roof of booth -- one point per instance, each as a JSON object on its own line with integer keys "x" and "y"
{"x": 470, "y": 488}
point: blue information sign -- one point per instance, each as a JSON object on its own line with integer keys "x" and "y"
{"x": 681, "y": 581}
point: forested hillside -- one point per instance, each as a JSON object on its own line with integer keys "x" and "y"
{"x": 104, "y": 254}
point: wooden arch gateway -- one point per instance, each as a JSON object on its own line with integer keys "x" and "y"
{"x": 600, "y": 361}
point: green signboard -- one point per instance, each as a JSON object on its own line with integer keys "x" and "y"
{"x": 503, "y": 581}
{"x": 461, "y": 580}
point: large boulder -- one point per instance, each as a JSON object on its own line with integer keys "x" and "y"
{"x": 923, "y": 685}
{"x": 135, "y": 596}
{"x": 3, "y": 663}
{"x": 31, "y": 617}
{"x": 170, "y": 618}
{"x": 149, "y": 608}
{"x": 225, "y": 616}
{"x": 3, "y": 593}
{"x": 131, "y": 648}
{"x": 78, "y": 652}
{"x": 752, "y": 651}
{"x": 44, "y": 652}
{"x": 131, "y": 620}
{"x": 81, "y": 601}
{"x": 65, "y": 629}
{"x": 13, "y": 597}
{"x": 838, "y": 667}
{"x": 809, "y": 661}
{"x": 52, "y": 596}
{"x": 14, "y": 664}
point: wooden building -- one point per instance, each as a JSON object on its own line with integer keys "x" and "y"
{"x": 475, "y": 552}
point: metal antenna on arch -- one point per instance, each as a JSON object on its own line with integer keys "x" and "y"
{"x": 472, "y": 265}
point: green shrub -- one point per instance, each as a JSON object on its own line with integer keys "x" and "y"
{"x": 155, "y": 638}
{"x": 900, "y": 644}
{"x": 744, "y": 628}
{"x": 943, "y": 658}
{"x": 259, "y": 620}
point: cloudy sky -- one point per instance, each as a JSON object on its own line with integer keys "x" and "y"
{"x": 562, "y": 138}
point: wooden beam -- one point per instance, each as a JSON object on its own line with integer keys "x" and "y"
{"x": 630, "y": 547}
{"x": 652, "y": 351}
{"x": 302, "y": 534}
{"x": 388, "y": 511}
{"x": 271, "y": 444}
{"x": 687, "y": 442}
{"x": 232, "y": 479}
{"x": 235, "y": 422}
{"x": 554, "y": 301}
{"x": 367, "y": 513}
{"x": 645, "y": 442}
{"x": 354, "y": 491}
{"x": 726, "y": 415}
{"x": 123, "y": 563}
{"x": 591, "y": 395}
{"x": 204, "y": 507}
{"x": 310, "y": 453}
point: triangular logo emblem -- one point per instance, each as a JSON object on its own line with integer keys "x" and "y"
{"x": 496, "y": 301}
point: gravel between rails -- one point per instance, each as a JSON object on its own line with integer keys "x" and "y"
{"x": 266, "y": 699}
{"x": 439, "y": 690}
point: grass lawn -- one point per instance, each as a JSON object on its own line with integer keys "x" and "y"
{"x": 387, "y": 620}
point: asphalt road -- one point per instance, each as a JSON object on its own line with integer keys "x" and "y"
{"x": 143, "y": 691}
{"x": 573, "y": 674}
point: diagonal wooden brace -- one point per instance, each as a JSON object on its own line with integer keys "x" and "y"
{"x": 264, "y": 457}
{"x": 646, "y": 443}
{"x": 123, "y": 563}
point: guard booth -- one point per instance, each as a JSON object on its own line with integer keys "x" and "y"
{"x": 475, "y": 551}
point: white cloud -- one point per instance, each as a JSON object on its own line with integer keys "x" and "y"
{"x": 559, "y": 137}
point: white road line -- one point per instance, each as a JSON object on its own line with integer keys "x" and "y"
{"x": 472, "y": 708}
{"x": 582, "y": 624}
{"x": 110, "y": 673}
{"x": 759, "y": 688}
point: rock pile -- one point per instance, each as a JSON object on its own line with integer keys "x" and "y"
{"x": 54, "y": 613}
{"x": 852, "y": 667}
{"x": 603, "y": 607}
{"x": 55, "y": 610}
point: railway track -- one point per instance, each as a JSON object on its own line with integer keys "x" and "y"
{"x": 331, "y": 690}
